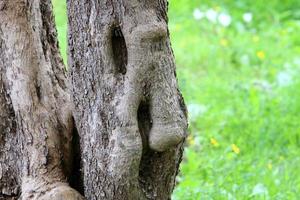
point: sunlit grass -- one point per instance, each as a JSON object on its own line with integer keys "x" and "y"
{"x": 246, "y": 143}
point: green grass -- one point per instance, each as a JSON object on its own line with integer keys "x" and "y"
{"x": 241, "y": 85}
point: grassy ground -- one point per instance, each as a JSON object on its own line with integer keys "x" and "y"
{"x": 239, "y": 75}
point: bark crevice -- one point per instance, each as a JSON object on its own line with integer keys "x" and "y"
{"x": 76, "y": 177}
{"x": 145, "y": 123}
{"x": 119, "y": 49}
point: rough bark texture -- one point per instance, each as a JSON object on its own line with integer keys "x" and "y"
{"x": 130, "y": 117}
{"x": 36, "y": 124}
{"x": 128, "y": 111}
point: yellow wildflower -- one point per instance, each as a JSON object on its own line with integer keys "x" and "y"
{"x": 214, "y": 142}
{"x": 224, "y": 42}
{"x": 270, "y": 166}
{"x": 261, "y": 55}
{"x": 255, "y": 38}
{"x": 235, "y": 149}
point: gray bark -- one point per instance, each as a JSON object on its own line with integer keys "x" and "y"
{"x": 130, "y": 118}
{"x": 36, "y": 124}
{"x": 128, "y": 111}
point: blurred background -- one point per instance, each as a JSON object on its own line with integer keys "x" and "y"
{"x": 238, "y": 66}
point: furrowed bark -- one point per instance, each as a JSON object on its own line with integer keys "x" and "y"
{"x": 36, "y": 124}
{"x": 129, "y": 113}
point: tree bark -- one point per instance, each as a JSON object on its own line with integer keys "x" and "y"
{"x": 129, "y": 113}
{"x": 130, "y": 118}
{"x": 36, "y": 124}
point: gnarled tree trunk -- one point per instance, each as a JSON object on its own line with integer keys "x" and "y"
{"x": 36, "y": 124}
{"x": 129, "y": 114}
{"x": 128, "y": 110}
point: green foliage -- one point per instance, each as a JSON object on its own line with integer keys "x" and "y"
{"x": 241, "y": 85}
{"x": 60, "y": 14}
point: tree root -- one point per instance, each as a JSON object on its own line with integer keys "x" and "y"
{"x": 33, "y": 189}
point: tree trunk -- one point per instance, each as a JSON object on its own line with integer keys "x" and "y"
{"x": 36, "y": 124}
{"x": 130, "y": 117}
{"x": 129, "y": 113}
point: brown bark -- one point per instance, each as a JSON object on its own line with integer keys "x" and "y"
{"x": 130, "y": 117}
{"x": 36, "y": 122}
{"x": 128, "y": 110}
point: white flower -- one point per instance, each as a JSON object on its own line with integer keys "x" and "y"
{"x": 196, "y": 110}
{"x": 284, "y": 79}
{"x": 224, "y": 19}
{"x": 263, "y": 85}
{"x": 259, "y": 189}
{"x": 211, "y": 15}
{"x": 245, "y": 60}
{"x": 198, "y": 14}
{"x": 247, "y": 17}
